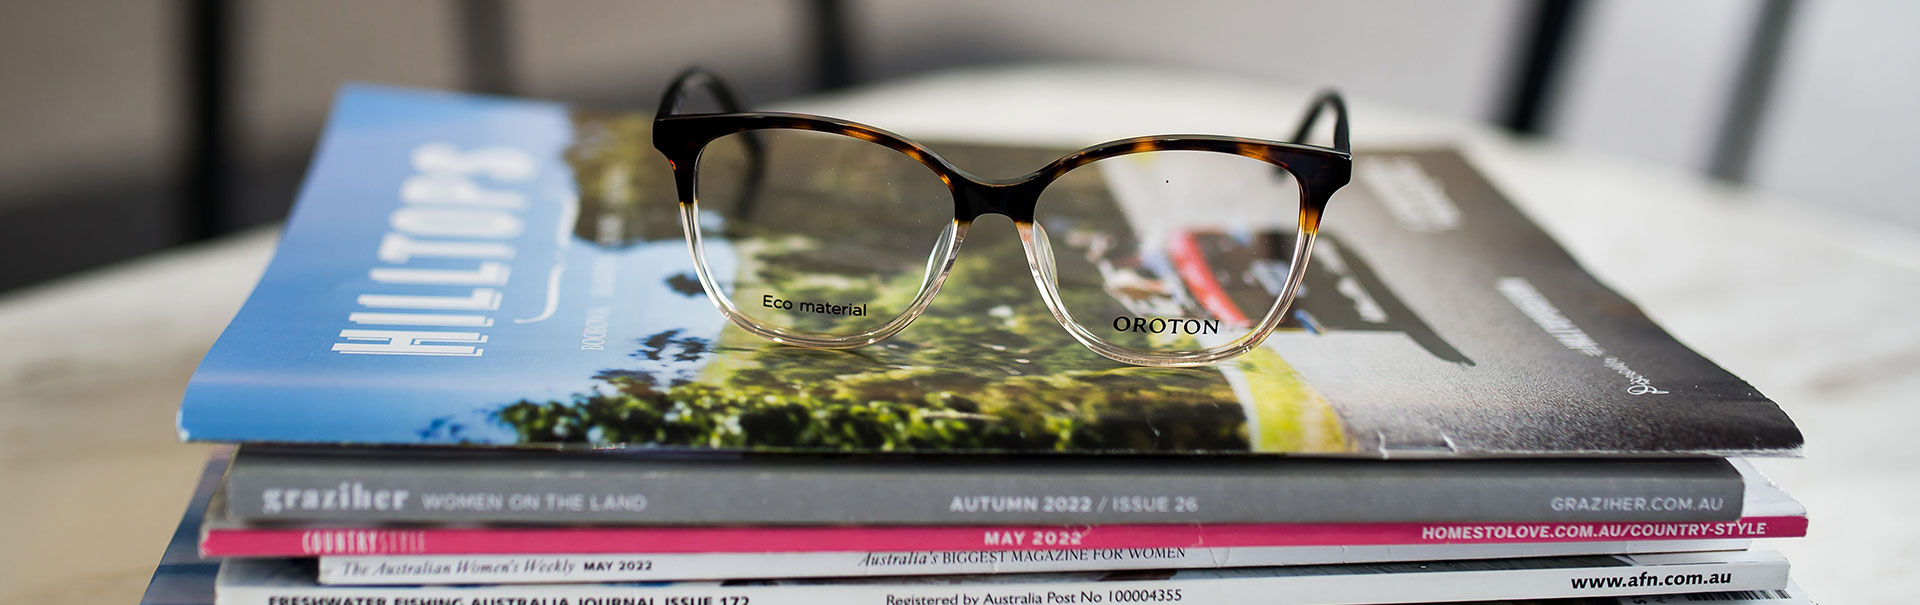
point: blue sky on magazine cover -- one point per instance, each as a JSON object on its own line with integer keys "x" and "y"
{"x": 275, "y": 374}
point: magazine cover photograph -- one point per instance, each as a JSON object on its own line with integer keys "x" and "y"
{"x": 473, "y": 270}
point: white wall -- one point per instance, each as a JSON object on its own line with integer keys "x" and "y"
{"x": 620, "y": 51}
{"x": 291, "y": 55}
{"x": 1651, "y": 79}
{"x": 1450, "y": 58}
{"x": 295, "y": 53}
{"x": 1844, "y": 130}
{"x": 87, "y": 96}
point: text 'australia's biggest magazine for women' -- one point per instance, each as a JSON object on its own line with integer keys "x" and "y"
{"x": 487, "y": 271}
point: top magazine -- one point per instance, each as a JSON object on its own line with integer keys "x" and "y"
{"x": 485, "y": 271}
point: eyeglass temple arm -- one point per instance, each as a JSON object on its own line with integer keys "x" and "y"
{"x": 1326, "y": 98}
{"x": 695, "y": 77}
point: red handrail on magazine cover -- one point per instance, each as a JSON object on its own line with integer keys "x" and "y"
{"x": 1191, "y": 263}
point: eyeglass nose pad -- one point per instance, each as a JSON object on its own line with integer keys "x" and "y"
{"x": 1043, "y": 253}
{"x": 941, "y": 256}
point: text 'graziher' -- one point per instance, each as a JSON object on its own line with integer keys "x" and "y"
{"x": 445, "y": 258}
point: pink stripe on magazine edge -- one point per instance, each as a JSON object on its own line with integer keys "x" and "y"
{"x": 279, "y": 542}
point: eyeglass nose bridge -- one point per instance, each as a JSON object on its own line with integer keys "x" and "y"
{"x": 974, "y": 198}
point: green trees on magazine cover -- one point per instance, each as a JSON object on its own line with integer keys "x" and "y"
{"x": 986, "y": 368}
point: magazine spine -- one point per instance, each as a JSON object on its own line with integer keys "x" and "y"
{"x": 576, "y": 568}
{"x": 1756, "y": 573}
{"x": 398, "y": 490}
{"x": 311, "y": 542}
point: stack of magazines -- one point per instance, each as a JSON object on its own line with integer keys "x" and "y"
{"x": 480, "y": 369}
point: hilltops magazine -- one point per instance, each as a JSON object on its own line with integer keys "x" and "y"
{"x": 481, "y": 271}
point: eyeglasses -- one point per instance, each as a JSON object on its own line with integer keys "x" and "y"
{"x": 1167, "y": 251}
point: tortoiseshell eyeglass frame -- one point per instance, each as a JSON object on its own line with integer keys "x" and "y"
{"x": 1319, "y": 171}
